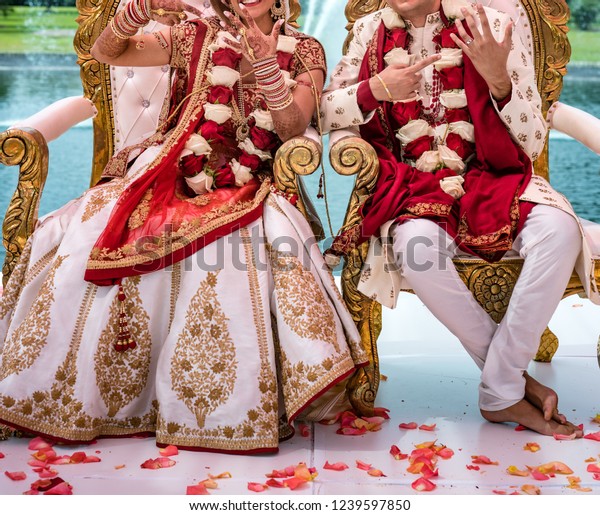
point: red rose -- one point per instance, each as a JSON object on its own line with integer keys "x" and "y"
{"x": 462, "y": 147}
{"x": 457, "y": 115}
{"x": 284, "y": 59}
{"x": 395, "y": 39}
{"x": 224, "y": 176}
{"x": 452, "y": 77}
{"x": 211, "y": 132}
{"x": 443, "y": 38}
{"x": 263, "y": 139}
{"x": 250, "y": 160}
{"x": 191, "y": 164}
{"x": 226, "y": 57}
{"x": 404, "y": 112}
{"x": 415, "y": 148}
{"x": 220, "y": 95}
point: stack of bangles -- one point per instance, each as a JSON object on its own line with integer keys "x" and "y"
{"x": 272, "y": 82}
{"x": 129, "y": 20}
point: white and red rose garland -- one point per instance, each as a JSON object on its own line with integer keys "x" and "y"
{"x": 428, "y": 143}
{"x": 219, "y": 111}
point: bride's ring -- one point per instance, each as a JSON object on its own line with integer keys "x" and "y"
{"x": 468, "y": 42}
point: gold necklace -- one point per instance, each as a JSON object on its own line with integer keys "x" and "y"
{"x": 243, "y": 131}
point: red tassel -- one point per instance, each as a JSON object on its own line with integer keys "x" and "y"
{"x": 124, "y": 339}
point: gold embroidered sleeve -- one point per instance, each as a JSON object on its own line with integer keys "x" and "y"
{"x": 182, "y": 42}
{"x": 309, "y": 55}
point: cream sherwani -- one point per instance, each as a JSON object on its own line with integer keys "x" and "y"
{"x": 499, "y": 351}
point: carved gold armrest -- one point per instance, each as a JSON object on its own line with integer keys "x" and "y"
{"x": 354, "y": 156}
{"x": 27, "y": 148}
{"x": 298, "y": 157}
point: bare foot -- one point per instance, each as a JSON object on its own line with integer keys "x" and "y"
{"x": 543, "y": 398}
{"x": 526, "y": 414}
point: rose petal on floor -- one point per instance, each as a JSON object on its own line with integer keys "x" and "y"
{"x": 397, "y": 454}
{"x": 482, "y": 460}
{"x": 38, "y": 444}
{"x": 158, "y": 463}
{"x": 445, "y": 453}
{"x": 169, "y": 450}
{"x": 424, "y": 427}
{"x": 362, "y": 465}
{"x": 339, "y": 466}
{"x": 408, "y": 425}
{"x": 520, "y": 427}
{"x": 257, "y": 487}
{"x": 557, "y": 467}
{"x": 532, "y": 447}
{"x": 473, "y": 467}
{"x": 222, "y": 475}
{"x": 383, "y": 413}
{"x": 16, "y": 476}
{"x": 199, "y": 489}
{"x": 514, "y": 471}
{"x": 304, "y": 430}
{"x": 293, "y": 482}
{"x": 531, "y": 490}
{"x": 423, "y": 485}
{"x": 593, "y": 436}
{"x": 593, "y": 467}
{"x": 375, "y": 473}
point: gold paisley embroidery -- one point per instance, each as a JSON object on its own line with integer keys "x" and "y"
{"x": 25, "y": 344}
{"x": 99, "y": 197}
{"x": 140, "y": 213}
{"x": 58, "y": 412}
{"x": 204, "y": 365}
{"x": 300, "y": 300}
{"x": 122, "y": 376}
{"x": 12, "y": 292}
{"x": 40, "y": 265}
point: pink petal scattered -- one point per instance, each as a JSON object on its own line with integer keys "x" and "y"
{"x": 362, "y": 465}
{"x": 38, "y": 444}
{"x": 339, "y": 466}
{"x": 531, "y": 490}
{"x": 46, "y": 473}
{"x": 169, "y": 450}
{"x": 1, "y": 456}
{"x": 596, "y": 477}
{"x": 520, "y": 428}
{"x": 209, "y": 483}
{"x": 375, "y": 473}
{"x": 118, "y": 467}
{"x": 78, "y": 457}
{"x": 199, "y": 489}
{"x": 539, "y": 476}
{"x": 351, "y": 431}
{"x": 575, "y": 484}
{"x": 62, "y": 488}
{"x": 257, "y": 487}
{"x": 593, "y": 436}
{"x": 293, "y": 483}
{"x": 423, "y": 485}
{"x": 92, "y": 459}
{"x": 593, "y": 467}
{"x": 445, "y": 453}
{"x": 499, "y": 492}
{"x": 557, "y": 467}
{"x": 565, "y": 437}
{"x": 274, "y": 483}
{"x": 383, "y": 412}
{"x": 408, "y": 425}
{"x": 16, "y": 476}
{"x": 514, "y": 471}
{"x": 427, "y": 472}
{"x": 158, "y": 463}
{"x": 473, "y": 467}
{"x": 222, "y": 475}
{"x": 397, "y": 454}
{"x": 483, "y": 460}
{"x": 304, "y": 430}
{"x": 424, "y": 427}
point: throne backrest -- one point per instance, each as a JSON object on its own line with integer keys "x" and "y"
{"x": 129, "y": 100}
{"x": 541, "y": 24}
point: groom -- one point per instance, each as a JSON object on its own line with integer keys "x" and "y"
{"x": 446, "y": 94}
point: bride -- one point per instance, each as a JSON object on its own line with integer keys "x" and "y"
{"x": 183, "y": 296}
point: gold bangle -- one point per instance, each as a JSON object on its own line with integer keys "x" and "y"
{"x": 385, "y": 87}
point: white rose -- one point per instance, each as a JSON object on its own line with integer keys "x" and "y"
{"x": 464, "y": 129}
{"x": 450, "y": 57}
{"x": 451, "y": 159}
{"x": 223, "y": 76}
{"x": 413, "y": 130}
{"x": 263, "y": 119}
{"x": 217, "y": 113}
{"x": 224, "y": 40}
{"x": 185, "y": 152}
{"x": 453, "y": 186}
{"x": 452, "y": 8}
{"x": 399, "y": 56}
{"x": 249, "y": 148}
{"x": 429, "y": 161}
{"x": 242, "y": 173}
{"x": 198, "y": 145}
{"x": 454, "y": 99}
{"x": 289, "y": 82}
{"x": 201, "y": 183}
{"x": 391, "y": 19}
{"x": 286, "y": 44}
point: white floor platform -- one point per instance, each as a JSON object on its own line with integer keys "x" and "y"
{"x": 430, "y": 380}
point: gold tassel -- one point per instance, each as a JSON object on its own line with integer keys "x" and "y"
{"x": 320, "y": 192}
{"x": 124, "y": 339}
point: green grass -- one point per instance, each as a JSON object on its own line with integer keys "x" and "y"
{"x": 585, "y": 46}
{"x": 33, "y": 29}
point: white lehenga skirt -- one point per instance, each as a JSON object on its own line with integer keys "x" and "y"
{"x": 249, "y": 331}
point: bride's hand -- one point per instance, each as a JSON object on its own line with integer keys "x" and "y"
{"x": 171, "y": 12}
{"x": 255, "y": 44}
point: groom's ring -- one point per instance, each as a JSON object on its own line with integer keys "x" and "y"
{"x": 468, "y": 42}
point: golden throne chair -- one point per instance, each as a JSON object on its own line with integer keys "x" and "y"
{"x": 126, "y": 104}
{"x": 542, "y": 26}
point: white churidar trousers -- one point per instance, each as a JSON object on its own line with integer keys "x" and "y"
{"x": 549, "y": 243}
